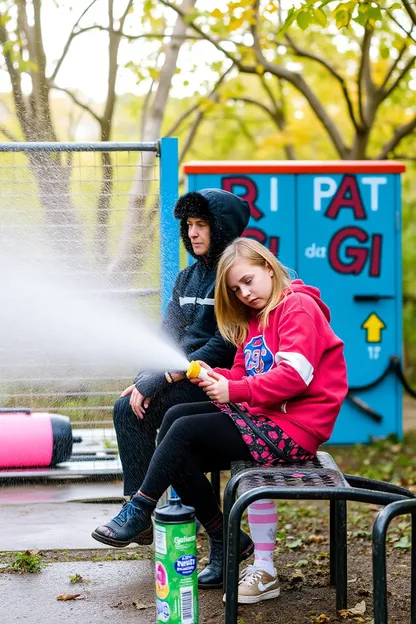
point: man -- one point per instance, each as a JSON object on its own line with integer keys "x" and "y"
{"x": 209, "y": 220}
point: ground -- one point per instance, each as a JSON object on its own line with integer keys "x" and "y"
{"x": 301, "y": 556}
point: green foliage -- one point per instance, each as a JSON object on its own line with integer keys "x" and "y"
{"x": 26, "y": 563}
{"x": 364, "y": 12}
{"x": 77, "y": 578}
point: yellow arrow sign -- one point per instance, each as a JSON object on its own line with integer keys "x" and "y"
{"x": 373, "y": 324}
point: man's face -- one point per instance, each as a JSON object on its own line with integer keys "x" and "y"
{"x": 200, "y": 235}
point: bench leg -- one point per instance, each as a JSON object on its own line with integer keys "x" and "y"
{"x": 380, "y": 567}
{"x": 413, "y": 572}
{"x": 332, "y": 543}
{"x": 229, "y": 498}
{"x": 341, "y": 564}
{"x": 232, "y": 567}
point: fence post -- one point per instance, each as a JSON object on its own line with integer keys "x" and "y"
{"x": 169, "y": 227}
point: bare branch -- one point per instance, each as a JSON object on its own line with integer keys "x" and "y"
{"x": 401, "y": 75}
{"x": 411, "y": 11}
{"x": 206, "y": 37}
{"x": 269, "y": 93}
{"x": 254, "y": 102}
{"x": 300, "y": 84}
{"x": 314, "y": 57}
{"x": 364, "y": 77}
{"x": 191, "y": 135}
{"x": 8, "y": 134}
{"x": 408, "y": 33}
{"x": 393, "y": 67}
{"x": 78, "y": 102}
{"x": 126, "y": 12}
{"x": 195, "y": 106}
{"x": 400, "y": 133}
{"x": 67, "y": 45}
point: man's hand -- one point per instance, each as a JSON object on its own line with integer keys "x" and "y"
{"x": 217, "y": 390}
{"x": 138, "y": 402}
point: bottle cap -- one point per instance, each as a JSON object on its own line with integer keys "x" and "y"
{"x": 175, "y": 512}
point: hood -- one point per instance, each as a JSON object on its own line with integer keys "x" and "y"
{"x": 297, "y": 286}
{"x": 226, "y": 213}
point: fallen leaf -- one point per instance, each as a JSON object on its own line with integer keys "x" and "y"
{"x": 297, "y": 577}
{"x": 141, "y": 605}
{"x": 117, "y": 605}
{"x": 316, "y": 539}
{"x": 359, "y": 608}
{"x": 344, "y": 613}
{"x": 66, "y": 597}
{"x": 321, "y": 619}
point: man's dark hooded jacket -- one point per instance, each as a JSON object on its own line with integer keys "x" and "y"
{"x": 189, "y": 319}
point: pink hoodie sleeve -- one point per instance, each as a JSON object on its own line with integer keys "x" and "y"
{"x": 300, "y": 349}
{"x": 238, "y": 369}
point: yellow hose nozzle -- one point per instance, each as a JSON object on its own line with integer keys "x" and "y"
{"x": 193, "y": 369}
{"x": 196, "y": 370}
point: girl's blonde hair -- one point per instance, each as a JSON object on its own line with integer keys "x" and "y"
{"x": 233, "y": 316}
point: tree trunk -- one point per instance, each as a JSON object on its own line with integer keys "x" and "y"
{"x": 133, "y": 246}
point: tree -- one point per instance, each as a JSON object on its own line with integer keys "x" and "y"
{"x": 363, "y": 12}
{"x": 23, "y": 53}
{"x": 368, "y": 69}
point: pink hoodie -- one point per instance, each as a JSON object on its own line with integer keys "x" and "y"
{"x": 293, "y": 371}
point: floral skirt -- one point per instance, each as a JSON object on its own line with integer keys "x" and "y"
{"x": 259, "y": 450}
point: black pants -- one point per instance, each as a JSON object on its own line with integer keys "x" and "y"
{"x": 194, "y": 439}
{"x": 137, "y": 438}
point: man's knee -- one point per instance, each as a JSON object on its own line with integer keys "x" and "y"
{"x": 121, "y": 410}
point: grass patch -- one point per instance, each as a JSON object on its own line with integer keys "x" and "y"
{"x": 26, "y": 563}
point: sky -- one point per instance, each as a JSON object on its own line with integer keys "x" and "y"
{"x": 86, "y": 65}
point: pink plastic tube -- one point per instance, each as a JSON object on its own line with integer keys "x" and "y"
{"x": 25, "y": 439}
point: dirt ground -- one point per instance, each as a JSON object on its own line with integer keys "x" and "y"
{"x": 302, "y": 553}
{"x": 302, "y": 558}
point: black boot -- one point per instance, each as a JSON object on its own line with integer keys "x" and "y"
{"x": 132, "y": 524}
{"x": 211, "y": 577}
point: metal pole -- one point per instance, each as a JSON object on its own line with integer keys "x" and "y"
{"x": 169, "y": 228}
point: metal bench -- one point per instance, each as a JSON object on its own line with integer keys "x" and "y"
{"x": 380, "y": 527}
{"x": 317, "y": 479}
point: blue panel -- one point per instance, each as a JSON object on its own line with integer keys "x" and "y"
{"x": 272, "y": 206}
{"x": 169, "y": 227}
{"x": 347, "y": 246}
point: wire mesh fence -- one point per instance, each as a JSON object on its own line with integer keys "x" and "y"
{"x": 68, "y": 210}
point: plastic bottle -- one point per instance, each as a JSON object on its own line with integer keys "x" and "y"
{"x": 196, "y": 370}
{"x": 176, "y": 564}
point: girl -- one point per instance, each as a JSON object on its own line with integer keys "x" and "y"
{"x": 289, "y": 377}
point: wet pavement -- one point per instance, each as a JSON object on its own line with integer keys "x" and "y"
{"x": 52, "y": 526}
{"x": 110, "y": 595}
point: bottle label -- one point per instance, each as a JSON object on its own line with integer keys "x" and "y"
{"x": 160, "y": 540}
{"x": 176, "y": 573}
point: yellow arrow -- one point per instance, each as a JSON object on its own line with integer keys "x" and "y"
{"x": 373, "y": 324}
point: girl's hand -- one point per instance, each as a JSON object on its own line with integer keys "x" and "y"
{"x": 204, "y": 365}
{"x": 218, "y": 389}
{"x": 196, "y": 380}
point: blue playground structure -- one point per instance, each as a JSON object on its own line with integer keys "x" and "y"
{"x": 337, "y": 225}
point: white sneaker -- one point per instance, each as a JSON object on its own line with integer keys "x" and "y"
{"x": 256, "y": 585}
